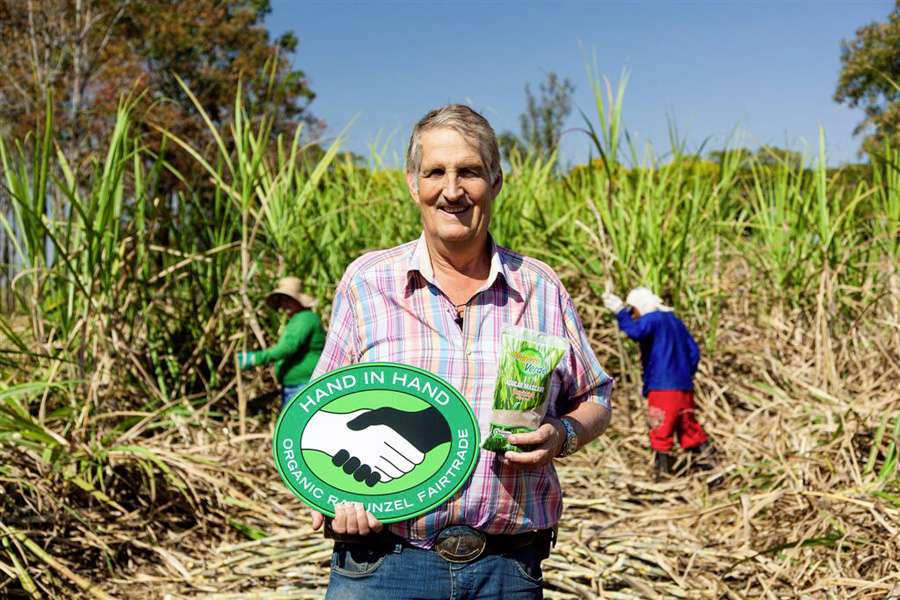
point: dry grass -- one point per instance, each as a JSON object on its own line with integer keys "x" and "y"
{"x": 790, "y": 513}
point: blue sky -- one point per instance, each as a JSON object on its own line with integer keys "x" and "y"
{"x": 764, "y": 68}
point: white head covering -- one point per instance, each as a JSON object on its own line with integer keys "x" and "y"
{"x": 645, "y": 301}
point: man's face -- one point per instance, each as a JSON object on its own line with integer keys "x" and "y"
{"x": 454, "y": 189}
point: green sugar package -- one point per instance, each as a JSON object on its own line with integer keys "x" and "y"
{"x": 527, "y": 360}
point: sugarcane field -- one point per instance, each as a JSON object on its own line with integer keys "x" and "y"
{"x": 261, "y": 338}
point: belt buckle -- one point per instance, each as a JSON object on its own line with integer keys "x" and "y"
{"x": 460, "y": 544}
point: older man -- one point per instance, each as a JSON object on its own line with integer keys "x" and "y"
{"x": 439, "y": 303}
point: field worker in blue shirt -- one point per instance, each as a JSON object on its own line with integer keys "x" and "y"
{"x": 669, "y": 357}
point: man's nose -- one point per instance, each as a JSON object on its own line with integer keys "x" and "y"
{"x": 452, "y": 189}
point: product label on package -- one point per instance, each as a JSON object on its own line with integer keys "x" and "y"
{"x": 527, "y": 360}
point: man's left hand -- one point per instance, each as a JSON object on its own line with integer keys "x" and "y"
{"x": 546, "y": 442}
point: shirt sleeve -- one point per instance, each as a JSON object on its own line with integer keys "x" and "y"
{"x": 584, "y": 379}
{"x": 636, "y": 329}
{"x": 342, "y": 341}
{"x": 296, "y": 332}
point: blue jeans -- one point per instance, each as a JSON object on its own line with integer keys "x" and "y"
{"x": 288, "y": 392}
{"x": 404, "y": 573}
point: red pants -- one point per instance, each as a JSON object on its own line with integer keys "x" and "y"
{"x": 670, "y": 412}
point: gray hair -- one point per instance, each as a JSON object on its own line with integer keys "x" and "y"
{"x": 465, "y": 121}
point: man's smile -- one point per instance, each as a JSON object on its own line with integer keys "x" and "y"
{"x": 455, "y": 210}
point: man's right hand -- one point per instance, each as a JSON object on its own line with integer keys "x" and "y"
{"x": 351, "y": 519}
{"x": 318, "y": 519}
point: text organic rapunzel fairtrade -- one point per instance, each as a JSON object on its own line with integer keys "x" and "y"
{"x": 527, "y": 360}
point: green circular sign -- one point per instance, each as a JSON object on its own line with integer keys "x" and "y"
{"x": 398, "y": 439}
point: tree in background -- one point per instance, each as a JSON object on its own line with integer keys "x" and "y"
{"x": 542, "y": 122}
{"x": 870, "y": 79}
{"x": 86, "y": 54}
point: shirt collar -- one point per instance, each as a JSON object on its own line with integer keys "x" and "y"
{"x": 419, "y": 261}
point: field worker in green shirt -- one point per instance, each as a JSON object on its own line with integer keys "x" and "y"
{"x": 300, "y": 345}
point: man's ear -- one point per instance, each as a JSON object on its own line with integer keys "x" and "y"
{"x": 497, "y": 185}
{"x": 411, "y": 186}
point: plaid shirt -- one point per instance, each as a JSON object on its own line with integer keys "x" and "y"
{"x": 389, "y": 307}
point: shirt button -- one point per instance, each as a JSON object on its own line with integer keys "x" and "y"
{"x": 469, "y": 352}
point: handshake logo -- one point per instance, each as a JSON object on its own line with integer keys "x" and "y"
{"x": 376, "y": 445}
{"x": 396, "y": 438}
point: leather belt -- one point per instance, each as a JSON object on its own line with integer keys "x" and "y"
{"x": 458, "y": 543}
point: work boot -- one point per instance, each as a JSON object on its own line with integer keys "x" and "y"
{"x": 703, "y": 457}
{"x": 663, "y": 464}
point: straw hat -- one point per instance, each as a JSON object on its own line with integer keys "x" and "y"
{"x": 290, "y": 287}
{"x": 646, "y": 301}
